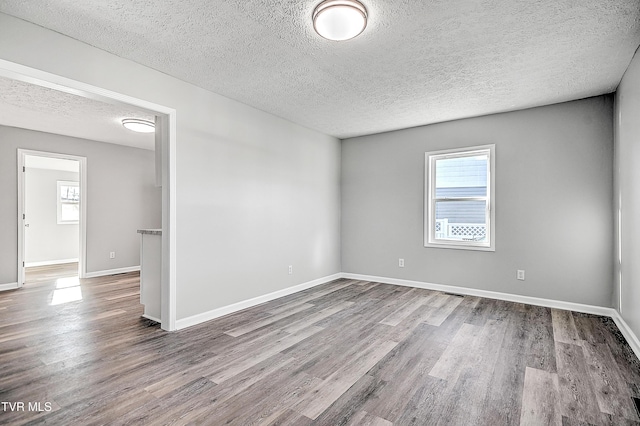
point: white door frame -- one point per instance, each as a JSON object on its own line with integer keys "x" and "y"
{"x": 82, "y": 174}
{"x": 167, "y": 117}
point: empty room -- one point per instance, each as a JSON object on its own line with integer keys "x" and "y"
{"x": 338, "y": 212}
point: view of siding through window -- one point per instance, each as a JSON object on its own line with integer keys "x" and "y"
{"x": 457, "y": 180}
{"x": 68, "y": 202}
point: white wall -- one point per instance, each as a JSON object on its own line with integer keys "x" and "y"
{"x": 255, "y": 193}
{"x": 627, "y": 195}
{"x": 554, "y": 172}
{"x": 47, "y": 241}
{"x": 121, "y": 197}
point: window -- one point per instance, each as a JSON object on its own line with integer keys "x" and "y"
{"x": 68, "y": 202}
{"x": 459, "y": 191}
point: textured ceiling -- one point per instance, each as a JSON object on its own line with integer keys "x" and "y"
{"x": 38, "y": 108}
{"x": 417, "y": 62}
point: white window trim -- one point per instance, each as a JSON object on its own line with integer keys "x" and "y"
{"x": 60, "y": 203}
{"x": 429, "y": 200}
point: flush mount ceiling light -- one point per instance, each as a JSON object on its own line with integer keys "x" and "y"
{"x": 339, "y": 19}
{"x": 138, "y": 125}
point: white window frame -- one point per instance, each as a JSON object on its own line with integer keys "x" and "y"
{"x": 59, "y": 202}
{"x": 430, "y": 239}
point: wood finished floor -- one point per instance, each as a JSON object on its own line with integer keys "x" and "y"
{"x": 344, "y": 353}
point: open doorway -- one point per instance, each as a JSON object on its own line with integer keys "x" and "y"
{"x": 52, "y": 205}
{"x": 165, "y": 144}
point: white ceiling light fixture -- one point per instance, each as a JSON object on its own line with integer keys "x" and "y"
{"x": 139, "y": 125}
{"x": 339, "y": 20}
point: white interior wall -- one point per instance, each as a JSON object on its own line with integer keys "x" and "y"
{"x": 47, "y": 241}
{"x": 627, "y": 196}
{"x": 255, "y": 193}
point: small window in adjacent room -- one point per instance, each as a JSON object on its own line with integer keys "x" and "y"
{"x": 68, "y": 202}
{"x": 459, "y": 198}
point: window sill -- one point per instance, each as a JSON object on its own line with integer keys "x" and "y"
{"x": 459, "y": 247}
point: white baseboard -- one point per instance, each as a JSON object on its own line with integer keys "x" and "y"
{"x": 112, "y": 271}
{"x": 225, "y": 310}
{"x": 10, "y": 286}
{"x": 50, "y": 262}
{"x": 149, "y": 317}
{"x": 548, "y": 303}
{"x": 626, "y": 331}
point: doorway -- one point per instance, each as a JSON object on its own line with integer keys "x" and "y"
{"x": 52, "y": 212}
{"x": 166, "y": 141}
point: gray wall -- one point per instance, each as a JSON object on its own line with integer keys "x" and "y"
{"x": 121, "y": 197}
{"x": 45, "y": 239}
{"x": 255, "y": 193}
{"x": 627, "y": 195}
{"x": 554, "y": 171}
{"x": 252, "y": 201}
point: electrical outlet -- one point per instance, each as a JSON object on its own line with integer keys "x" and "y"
{"x": 112, "y": 255}
{"x": 290, "y": 269}
{"x": 401, "y": 263}
{"x": 520, "y": 274}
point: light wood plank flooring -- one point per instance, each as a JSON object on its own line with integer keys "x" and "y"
{"x": 344, "y": 353}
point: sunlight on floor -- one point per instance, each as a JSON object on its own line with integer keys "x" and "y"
{"x": 67, "y": 290}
